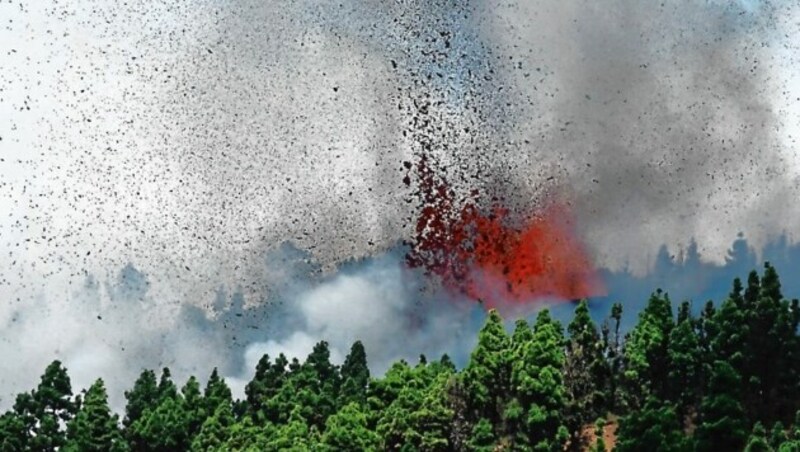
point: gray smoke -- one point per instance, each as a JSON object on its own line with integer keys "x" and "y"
{"x": 664, "y": 119}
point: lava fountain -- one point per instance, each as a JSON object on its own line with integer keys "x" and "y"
{"x": 486, "y": 255}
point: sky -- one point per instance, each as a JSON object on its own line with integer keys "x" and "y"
{"x": 189, "y": 156}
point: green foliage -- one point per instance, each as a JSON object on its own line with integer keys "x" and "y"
{"x": 585, "y": 372}
{"x": 348, "y": 430}
{"x": 612, "y": 348}
{"x": 13, "y": 432}
{"x": 162, "y": 428}
{"x": 723, "y": 422}
{"x": 194, "y": 406}
{"x": 686, "y": 364}
{"x": 521, "y": 336}
{"x": 757, "y": 442}
{"x": 646, "y": 356}
{"x": 94, "y": 428}
{"x": 295, "y": 435}
{"x": 600, "y": 444}
{"x": 166, "y": 387}
{"x": 354, "y": 376}
{"x": 216, "y": 393}
{"x": 486, "y": 376}
{"x": 538, "y": 383}
{"x": 246, "y": 436}
{"x": 706, "y": 383}
{"x": 419, "y": 416}
{"x": 777, "y": 435}
{"x": 318, "y": 385}
{"x": 265, "y": 385}
{"x": 143, "y": 395}
{"x": 45, "y": 410}
{"x": 482, "y": 438}
{"x": 215, "y": 431}
{"x": 655, "y": 427}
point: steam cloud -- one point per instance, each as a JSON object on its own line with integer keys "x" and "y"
{"x": 191, "y": 138}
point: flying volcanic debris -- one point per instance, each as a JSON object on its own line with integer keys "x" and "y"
{"x": 487, "y": 257}
{"x": 479, "y": 241}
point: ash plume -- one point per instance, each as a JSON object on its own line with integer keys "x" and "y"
{"x": 199, "y": 135}
{"x": 663, "y": 120}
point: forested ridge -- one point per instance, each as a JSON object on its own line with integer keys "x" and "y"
{"x": 726, "y": 379}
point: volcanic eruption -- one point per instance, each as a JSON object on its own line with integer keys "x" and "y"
{"x": 486, "y": 255}
{"x": 476, "y": 229}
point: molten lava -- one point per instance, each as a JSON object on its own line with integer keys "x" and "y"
{"x": 484, "y": 256}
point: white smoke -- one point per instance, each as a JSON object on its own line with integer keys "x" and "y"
{"x": 116, "y": 330}
{"x": 382, "y": 304}
{"x": 98, "y": 333}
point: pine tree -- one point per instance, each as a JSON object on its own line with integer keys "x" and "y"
{"x": 44, "y": 410}
{"x": 655, "y": 427}
{"x": 216, "y": 430}
{"x": 394, "y": 424}
{"x": 757, "y": 442}
{"x": 613, "y": 351}
{"x": 166, "y": 387}
{"x": 354, "y": 376}
{"x": 162, "y": 429}
{"x": 514, "y": 414}
{"x": 193, "y": 406}
{"x": 686, "y": 364}
{"x": 538, "y": 385}
{"x": 777, "y": 436}
{"x": 216, "y": 392}
{"x": 599, "y": 430}
{"x": 383, "y": 392}
{"x": 520, "y": 337}
{"x": 320, "y": 386}
{"x": 310, "y": 388}
{"x": 732, "y": 332}
{"x": 144, "y": 395}
{"x": 265, "y": 385}
{"x": 722, "y": 426}
{"x": 419, "y": 416}
{"x": 769, "y": 360}
{"x": 295, "y": 435}
{"x": 753, "y": 291}
{"x": 94, "y": 428}
{"x": 247, "y": 436}
{"x": 487, "y": 374}
{"x": 482, "y": 438}
{"x": 585, "y": 373}
{"x": 647, "y": 352}
{"x": 433, "y": 418}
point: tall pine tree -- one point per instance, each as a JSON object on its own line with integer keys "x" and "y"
{"x": 95, "y": 428}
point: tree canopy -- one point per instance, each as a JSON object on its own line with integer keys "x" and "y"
{"x": 722, "y": 377}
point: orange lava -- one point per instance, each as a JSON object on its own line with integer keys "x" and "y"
{"x": 484, "y": 256}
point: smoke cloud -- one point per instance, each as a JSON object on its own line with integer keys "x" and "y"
{"x": 664, "y": 120}
{"x": 116, "y": 329}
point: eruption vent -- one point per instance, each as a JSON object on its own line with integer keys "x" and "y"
{"x": 487, "y": 255}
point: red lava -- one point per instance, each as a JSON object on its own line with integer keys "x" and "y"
{"x": 483, "y": 255}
